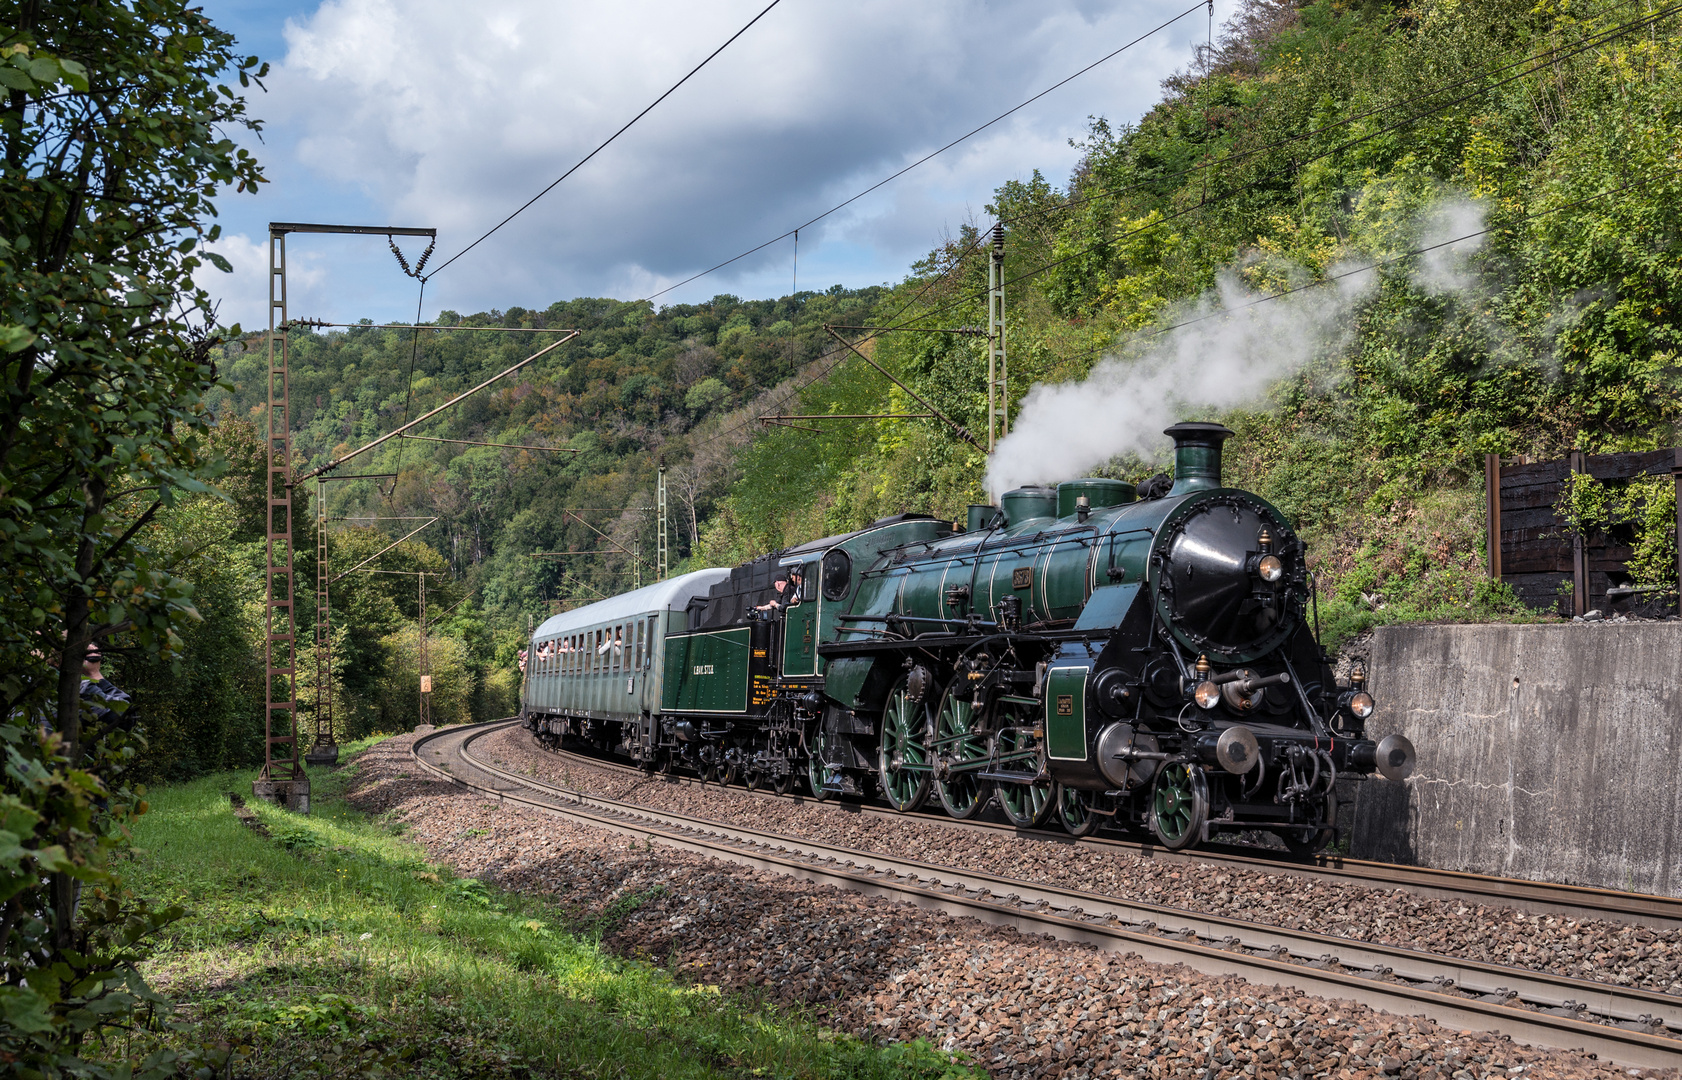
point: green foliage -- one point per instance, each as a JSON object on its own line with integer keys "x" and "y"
{"x": 339, "y": 950}
{"x": 114, "y": 138}
{"x": 1306, "y": 143}
{"x": 70, "y": 975}
{"x": 1644, "y": 506}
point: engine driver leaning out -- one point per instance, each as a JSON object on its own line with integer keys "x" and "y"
{"x": 788, "y": 592}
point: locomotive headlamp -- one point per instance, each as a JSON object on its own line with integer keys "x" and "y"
{"x": 1270, "y": 568}
{"x": 1207, "y": 695}
{"x": 1361, "y": 704}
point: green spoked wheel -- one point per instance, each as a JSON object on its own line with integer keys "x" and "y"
{"x": 816, "y": 769}
{"x": 1077, "y": 810}
{"x": 902, "y": 760}
{"x": 1026, "y": 805}
{"x": 957, "y": 741}
{"x": 1179, "y": 805}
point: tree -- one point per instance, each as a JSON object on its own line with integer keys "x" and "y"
{"x": 112, "y": 130}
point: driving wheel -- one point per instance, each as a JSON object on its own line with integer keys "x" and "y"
{"x": 902, "y": 760}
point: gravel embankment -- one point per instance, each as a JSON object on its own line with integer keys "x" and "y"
{"x": 1601, "y": 950}
{"x": 1022, "y": 1005}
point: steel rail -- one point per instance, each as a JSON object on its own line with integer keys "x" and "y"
{"x": 1538, "y": 897}
{"x": 1453, "y": 992}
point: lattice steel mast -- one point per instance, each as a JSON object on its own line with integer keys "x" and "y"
{"x": 998, "y": 387}
{"x": 283, "y": 779}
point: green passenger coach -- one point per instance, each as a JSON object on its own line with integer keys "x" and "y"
{"x": 600, "y": 670}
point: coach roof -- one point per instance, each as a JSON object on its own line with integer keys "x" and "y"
{"x": 670, "y": 595}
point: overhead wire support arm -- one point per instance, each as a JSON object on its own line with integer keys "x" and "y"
{"x": 383, "y": 550}
{"x": 336, "y": 462}
{"x": 503, "y": 445}
{"x": 963, "y": 432}
{"x": 617, "y": 546}
{"x": 318, "y": 324}
{"x": 851, "y": 416}
{"x": 554, "y": 554}
{"x": 277, "y": 228}
{"x": 964, "y": 331}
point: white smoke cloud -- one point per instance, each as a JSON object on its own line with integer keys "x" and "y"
{"x": 1229, "y": 346}
{"x": 1448, "y": 269}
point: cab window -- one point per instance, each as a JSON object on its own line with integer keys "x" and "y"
{"x": 837, "y": 574}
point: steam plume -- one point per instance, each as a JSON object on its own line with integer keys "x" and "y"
{"x": 1062, "y": 431}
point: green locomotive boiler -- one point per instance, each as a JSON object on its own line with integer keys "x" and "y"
{"x": 1090, "y": 653}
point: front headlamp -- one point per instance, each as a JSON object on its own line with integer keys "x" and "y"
{"x": 1361, "y": 705}
{"x": 1207, "y": 695}
{"x": 1270, "y": 568}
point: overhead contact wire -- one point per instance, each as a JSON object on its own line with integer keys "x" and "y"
{"x": 1538, "y": 61}
{"x": 604, "y": 145}
{"x": 927, "y": 157}
{"x": 1296, "y": 166}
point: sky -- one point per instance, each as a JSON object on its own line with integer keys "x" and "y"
{"x": 439, "y": 114}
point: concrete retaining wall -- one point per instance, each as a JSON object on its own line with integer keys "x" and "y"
{"x": 1551, "y": 752}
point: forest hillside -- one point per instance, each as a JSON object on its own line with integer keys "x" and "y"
{"x": 1379, "y": 241}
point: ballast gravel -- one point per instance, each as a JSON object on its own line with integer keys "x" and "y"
{"x": 1599, "y": 950}
{"x": 1023, "y": 1006}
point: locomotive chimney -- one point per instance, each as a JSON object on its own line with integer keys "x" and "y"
{"x": 1197, "y": 455}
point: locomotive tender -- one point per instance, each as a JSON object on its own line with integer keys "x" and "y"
{"x": 1092, "y": 652}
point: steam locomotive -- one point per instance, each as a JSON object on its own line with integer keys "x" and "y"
{"x": 1094, "y": 653}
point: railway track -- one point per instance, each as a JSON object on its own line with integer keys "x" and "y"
{"x": 1575, "y": 901}
{"x": 1629, "y": 1026}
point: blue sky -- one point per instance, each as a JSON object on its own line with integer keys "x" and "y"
{"x": 447, "y": 115}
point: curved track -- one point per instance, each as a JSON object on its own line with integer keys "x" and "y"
{"x": 1575, "y": 901}
{"x": 1628, "y": 1026}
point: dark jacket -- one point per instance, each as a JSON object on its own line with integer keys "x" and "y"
{"x": 101, "y": 695}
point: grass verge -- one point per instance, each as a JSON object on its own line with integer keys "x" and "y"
{"x": 336, "y": 949}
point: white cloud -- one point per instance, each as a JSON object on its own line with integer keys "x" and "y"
{"x": 437, "y": 113}
{"x": 241, "y": 296}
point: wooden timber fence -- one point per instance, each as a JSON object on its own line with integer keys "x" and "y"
{"x": 1548, "y": 565}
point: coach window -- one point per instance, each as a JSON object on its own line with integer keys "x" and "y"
{"x": 636, "y": 654}
{"x": 653, "y": 623}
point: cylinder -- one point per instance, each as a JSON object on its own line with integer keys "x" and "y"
{"x": 1197, "y": 455}
{"x": 1026, "y": 503}
{"x": 1099, "y": 492}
